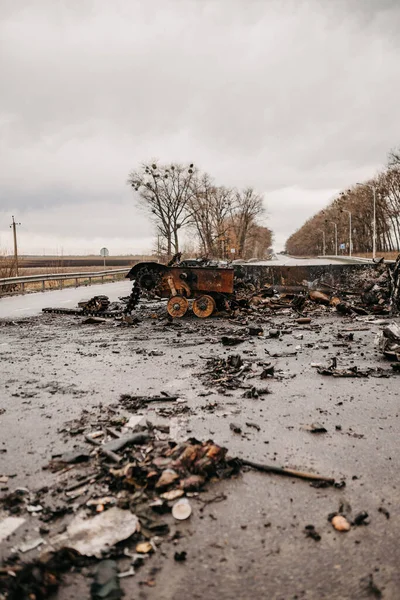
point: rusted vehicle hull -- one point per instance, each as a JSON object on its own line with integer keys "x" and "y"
{"x": 209, "y": 287}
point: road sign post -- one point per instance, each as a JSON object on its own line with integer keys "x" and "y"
{"x": 104, "y": 252}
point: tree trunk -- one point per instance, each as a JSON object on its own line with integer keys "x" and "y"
{"x": 169, "y": 245}
{"x": 176, "y": 241}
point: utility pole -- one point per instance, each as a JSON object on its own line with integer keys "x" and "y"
{"x": 13, "y": 226}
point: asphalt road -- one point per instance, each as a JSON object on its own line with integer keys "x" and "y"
{"x": 29, "y": 305}
{"x": 253, "y": 544}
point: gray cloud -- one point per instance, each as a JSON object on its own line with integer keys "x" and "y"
{"x": 297, "y": 98}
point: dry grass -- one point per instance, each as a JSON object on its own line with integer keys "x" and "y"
{"x": 386, "y": 255}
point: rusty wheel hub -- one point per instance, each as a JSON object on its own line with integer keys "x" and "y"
{"x": 177, "y": 306}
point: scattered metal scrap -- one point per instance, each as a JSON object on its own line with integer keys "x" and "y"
{"x": 352, "y": 371}
{"x": 95, "y": 307}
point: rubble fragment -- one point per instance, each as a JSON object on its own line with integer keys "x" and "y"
{"x": 181, "y": 510}
{"x": 230, "y": 340}
{"x": 106, "y": 582}
{"x": 312, "y": 533}
{"x": 389, "y": 342}
{"x": 361, "y": 518}
{"x": 144, "y": 548}
{"x": 315, "y": 428}
{"x": 9, "y": 525}
{"x": 340, "y": 523}
{"x": 94, "y": 535}
{"x": 40, "y": 579}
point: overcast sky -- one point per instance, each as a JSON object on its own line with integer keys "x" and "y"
{"x": 296, "y": 98}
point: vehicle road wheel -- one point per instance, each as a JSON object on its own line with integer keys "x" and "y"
{"x": 204, "y": 306}
{"x": 177, "y": 306}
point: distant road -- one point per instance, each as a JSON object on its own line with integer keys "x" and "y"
{"x": 29, "y": 305}
{"x": 283, "y": 260}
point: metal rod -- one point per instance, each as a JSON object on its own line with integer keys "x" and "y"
{"x": 284, "y": 471}
{"x": 350, "y": 236}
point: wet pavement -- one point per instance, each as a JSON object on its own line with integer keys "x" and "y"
{"x": 31, "y": 304}
{"x": 253, "y": 543}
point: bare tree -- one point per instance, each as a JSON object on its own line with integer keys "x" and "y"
{"x": 246, "y": 208}
{"x": 258, "y": 243}
{"x": 394, "y": 157}
{"x": 210, "y": 207}
{"x": 166, "y": 190}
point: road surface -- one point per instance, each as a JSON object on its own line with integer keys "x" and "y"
{"x": 253, "y": 544}
{"x": 291, "y": 261}
{"x": 29, "y": 305}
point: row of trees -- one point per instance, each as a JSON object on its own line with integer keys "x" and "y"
{"x": 180, "y": 197}
{"x": 359, "y": 202}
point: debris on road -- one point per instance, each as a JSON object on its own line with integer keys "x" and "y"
{"x": 315, "y": 428}
{"x": 353, "y": 371}
{"x": 389, "y": 341}
{"x": 9, "y": 525}
{"x": 126, "y": 502}
{"x": 361, "y": 518}
{"x": 312, "y": 533}
{"x": 134, "y": 403}
{"x": 41, "y": 578}
{"x": 106, "y": 584}
{"x": 230, "y": 340}
{"x": 340, "y": 523}
{"x": 93, "y": 536}
{"x": 93, "y": 321}
{"x": 235, "y": 428}
{"x": 285, "y": 471}
{"x": 181, "y": 510}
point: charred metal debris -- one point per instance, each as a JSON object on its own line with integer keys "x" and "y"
{"x": 117, "y": 497}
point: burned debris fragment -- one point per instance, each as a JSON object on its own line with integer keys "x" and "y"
{"x": 354, "y": 371}
{"x": 312, "y": 533}
{"x": 106, "y": 584}
{"x": 389, "y": 342}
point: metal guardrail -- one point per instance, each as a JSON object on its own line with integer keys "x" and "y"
{"x": 13, "y": 281}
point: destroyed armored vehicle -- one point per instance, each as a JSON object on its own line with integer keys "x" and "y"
{"x": 206, "y": 284}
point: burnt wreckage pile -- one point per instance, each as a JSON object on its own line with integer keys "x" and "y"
{"x": 212, "y": 287}
{"x": 208, "y": 287}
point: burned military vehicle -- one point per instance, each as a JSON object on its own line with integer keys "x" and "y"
{"x": 206, "y": 285}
